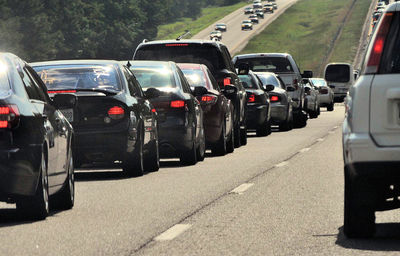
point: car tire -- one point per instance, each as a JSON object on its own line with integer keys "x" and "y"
{"x": 300, "y": 120}
{"x": 288, "y": 124}
{"x": 359, "y": 218}
{"x": 189, "y": 157}
{"x": 152, "y": 159}
{"x": 201, "y": 149}
{"x": 230, "y": 145}
{"x": 220, "y": 148}
{"x": 243, "y": 136}
{"x": 330, "y": 107}
{"x": 313, "y": 114}
{"x": 264, "y": 129}
{"x": 133, "y": 166}
{"x": 236, "y": 135}
{"x": 65, "y": 198}
{"x": 37, "y": 206}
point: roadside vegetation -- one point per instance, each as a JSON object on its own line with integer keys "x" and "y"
{"x": 307, "y": 31}
{"x": 208, "y": 16}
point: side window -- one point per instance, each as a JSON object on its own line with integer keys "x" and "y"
{"x": 228, "y": 59}
{"x": 38, "y": 83}
{"x": 30, "y": 87}
{"x": 134, "y": 89}
{"x": 213, "y": 81}
{"x": 185, "y": 85}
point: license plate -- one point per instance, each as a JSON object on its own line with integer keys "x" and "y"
{"x": 68, "y": 113}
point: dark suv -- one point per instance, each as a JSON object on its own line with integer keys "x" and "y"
{"x": 216, "y": 57}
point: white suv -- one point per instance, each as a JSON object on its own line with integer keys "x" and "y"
{"x": 371, "y": 131}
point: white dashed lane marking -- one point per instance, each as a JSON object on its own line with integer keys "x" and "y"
{"x": 320, "y": 139}
{"x": 304, "y": 150}
{"x": 242, "y": 188}
{"x": 172, "y": 232}
{"x": 282, "y": 164}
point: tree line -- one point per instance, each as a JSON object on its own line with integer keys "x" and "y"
{"x": 70, "y": 29}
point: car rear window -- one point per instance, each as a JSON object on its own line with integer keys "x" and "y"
{"x": 269, "y": 79}
{"x": 154, "y": 76}
{"x": 337, "y": 73}
{"x": 206, "y": 54}
{"x": 196, "y": 77}
{"x": 267, "y": 64}
{"x": 248, "y": 82}
{"x": 319, "y": 82}
{"x": 102, "y": 77}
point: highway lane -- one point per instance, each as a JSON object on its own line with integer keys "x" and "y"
{"x": 114, "y": 215}
{"x": 236, "y": 39}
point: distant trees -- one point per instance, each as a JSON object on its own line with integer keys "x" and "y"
{"x": 69, "y": 29}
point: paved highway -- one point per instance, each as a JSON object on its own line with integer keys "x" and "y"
{"x": 235, "y": 39}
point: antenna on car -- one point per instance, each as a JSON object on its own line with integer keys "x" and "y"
{"x": 187, "y": 32}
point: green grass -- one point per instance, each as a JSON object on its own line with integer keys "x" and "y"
{"x": 306, "y": 31}
{"x": 208, "y": 16}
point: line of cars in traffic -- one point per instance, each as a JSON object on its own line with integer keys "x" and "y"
{"x": 173, "y": 99}
{"x": 257, "y": 12}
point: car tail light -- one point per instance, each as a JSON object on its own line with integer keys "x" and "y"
{"x": 116, "y": 112}
{"x": 153, "y": 110}
{"x": 61, "y": 91}
{"x": 295, "y": 83}
{"x": 208, "y": 99}
{"x": 375, "y": 54}
{"x": 177, "y": 104}
{"x": 227, "y": 81}
{"x": 9, "y": 116}
{"x": 251, "y": 98}
{"x": 274, "y": 98}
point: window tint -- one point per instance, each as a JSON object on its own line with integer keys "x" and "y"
{"x": 213, "y": 81}
{"x": 390, "y": 62}
{"x": 185, "y": 85}
{"x": 29, "y": 86}
{"x": 267, "y": 64}
{"x": 206, "y": 54}
{"x": 36, "y": 84}
{"x": 157, "y": 76}
{"x": 338, "y": 73}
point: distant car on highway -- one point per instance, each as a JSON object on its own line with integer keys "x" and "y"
{"x": 260, "y": 13}
{"x": 247, "y": 25}
{"x": 311, "y": 101}
{"x": 339, "y": 77}
{"x": 221, "y": 27}
{"x": 218, "y": 109}
{"x": 113, "y": 119}
{"x": 248, "y": 10}
{"x": 371, "y": 129}
{"x": 280, "y": 101}
{"x": 258, "y": 105}
{"x": 216, "y": 35}
{"x": 257, "y": 6}
{"x": 179, "y": 114}
{"x": 275, "y": 6}
{"x": 254, "y": 18}
{"x": 326, "y": 94}
{"x": 36, "y": 170}
{"x": 268, "y": 8}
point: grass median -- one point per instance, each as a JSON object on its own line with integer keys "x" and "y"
{"x": 307, "y": 31}
{"x": 209, "y": 15}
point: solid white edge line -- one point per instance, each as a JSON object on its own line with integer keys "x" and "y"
{"x": 242, "y": 188}
{"x": 173, "y": 232}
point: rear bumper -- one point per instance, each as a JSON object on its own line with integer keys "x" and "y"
{"x": 278, "y": 113}
{"x": 173, "y": 140}
{"x": 325, "y": 99}
{"x": 19, "y": 171}
{"x": 256, "y": 115}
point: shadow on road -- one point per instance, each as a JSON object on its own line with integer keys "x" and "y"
{"x": 11, "y": 217}
{"x": 387, "y": 238}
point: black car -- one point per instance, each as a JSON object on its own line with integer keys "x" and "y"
{"x": 36, "y": 161}
{"x": 216, "y": 57}
{"x": 113, "y": 120}
{"x": 258, "y": 106}
{"x": 180, "y": 117}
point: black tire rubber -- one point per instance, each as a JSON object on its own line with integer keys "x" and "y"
{"x": 300, "y": 120}
{"x": 288, "y": 124}
{"x": 152, "y": 159}
{"x": 330, "y": 107}
{"x": 243, "y": 136}
{"x": 133, "y": 165}
{"x": 201, "y": 148}
{"x": 220, "y": 148}
{"x": 236, "y": 135}
{"x": 313, "y": 114}
{"x": 37, "y": 207}
{"x": 189, "y": 157}
{"x": 65, "y": 198}
{"x": 359, "y": 218}
{"x": 264, "y": 129}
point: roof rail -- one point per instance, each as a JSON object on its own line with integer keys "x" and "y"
{"x": 187, "y": 32}
{"x": 145, "y": 40}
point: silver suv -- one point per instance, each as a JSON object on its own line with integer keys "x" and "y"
{"x": 371, "y": 131}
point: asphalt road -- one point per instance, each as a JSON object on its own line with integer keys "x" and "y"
{"x": 235, "y": 39}
{"x": 290, "y": 204}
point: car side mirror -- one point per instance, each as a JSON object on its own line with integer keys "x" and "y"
{"x": 269, "y": 87}
{"x": 151, "y": 93}
{"x": 199, "y": 91}
{"x": 290, "y": 89}
{"x": 307, "y": 74}
{"x": 229, "y": 90}
{"x": 63, "y": 101}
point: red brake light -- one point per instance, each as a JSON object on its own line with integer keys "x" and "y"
{"x": 169, "y": 45}
{"x": 375, "y": 54}
{"x": 177, "y": 104}
{"x": 62, "y": 91}
{"x": 153, "y": 110}
{"x": 116, "y": 112}
{"x": 227, "y": 81}
{"x": 274, "y": 98}
{"x": 252, "y": 98}
{"x": 9, "y": 116}
{"x": 295, "y": 84}
{"x": 209, "y": 99}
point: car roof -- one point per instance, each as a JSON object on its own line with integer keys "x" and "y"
{"x": 183, "y": 41}
{"x": 74, "y": 62}
{"x": 150, "y": 62}
{"x": 260, "y": 55}
{"x": 393, "y": 7}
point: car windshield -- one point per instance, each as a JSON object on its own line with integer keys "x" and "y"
{"x": 196, "y": 78}
{"x": 157, "y": 76}
{"x": 102, "y": 77}
{"x": 207, "y": 54}
{"x": 248, "y": 82}
{"x": 269, "y": 79}
{"x": 338, "y": 73}
{"x": 318, "y": 82}
{"x": 267, "y": 64}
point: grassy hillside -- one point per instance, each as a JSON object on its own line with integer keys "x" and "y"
{"x": 306, "y": 30}
{"x": 209, "y": 16}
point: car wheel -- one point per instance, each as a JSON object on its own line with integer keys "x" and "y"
{"x": 313, "y": 114}
{"x": 230, "y": 145}
{"x": 236, "y": 135}
{"x": 331, "y": 107}
{"x": 201, "y": 149}
{"x": 243, "y": 136}
{"x": 133, "y": 165}
{"x": 65, "y": 198}
{"x": 359, "y": 219}
{"x": 220, "y": 148}
{"x": 189, "y": 157}
{"x": 152, "y": 159}
{"x": 37, "y": 206}
{"x": 288, "y": 124}
{"x": 300, "y": 120}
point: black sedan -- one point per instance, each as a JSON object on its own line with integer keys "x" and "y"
{"x": 180, "y": 117}
{"x": 113, "y": 120}
{"x": 36, "y": 159}
{"x": 258, "y": 105}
